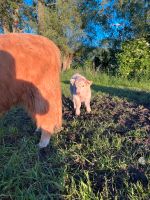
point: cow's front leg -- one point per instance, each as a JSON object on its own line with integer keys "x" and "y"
{"x": 45, "y": 138}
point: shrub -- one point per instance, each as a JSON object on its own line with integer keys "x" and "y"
{"x": 134, "y": 59}
{"x": 106, "y": 59}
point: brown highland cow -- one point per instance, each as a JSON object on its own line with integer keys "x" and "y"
{"x": 29, "y": 76}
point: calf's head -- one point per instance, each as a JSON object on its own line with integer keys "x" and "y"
{"x": 80, "y": 85}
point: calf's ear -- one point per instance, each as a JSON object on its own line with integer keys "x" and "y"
{"x": 89, "y": 82}
{"x": 72, "y": 81}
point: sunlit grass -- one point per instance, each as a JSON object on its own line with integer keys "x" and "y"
{"x": 100, "y": 78}
{"x": 133, "y": 90}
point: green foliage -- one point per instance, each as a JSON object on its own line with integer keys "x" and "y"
{"x": 107, "y": 60}
{"x": 85, "y": 56}
{"x": 7, "y": 7}
{"x": 8, "y": 12}
{"x": 132, "y": 17}
{"x": 138, "y": 15}
{"x": 134, "y": 60}
{"x": 63, "y": 25}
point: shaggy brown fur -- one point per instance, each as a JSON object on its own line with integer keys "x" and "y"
{"x": 29, "y": 75}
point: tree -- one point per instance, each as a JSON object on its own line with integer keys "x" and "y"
{"x": 41, "y": 16}
{"x": 109, "y": 23}
{"x": 137, "y": 13}
{"x": 9, "y": 15}
{"x": 114, "y": 21}
{"x": 62, "y": 24}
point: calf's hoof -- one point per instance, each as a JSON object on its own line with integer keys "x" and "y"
{"x": 88, "y": 110}
{"x": 77, "y": 113}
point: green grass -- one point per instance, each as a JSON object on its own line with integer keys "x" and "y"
{"x": 115, "y": 86}
{"x": 95, "y": 157}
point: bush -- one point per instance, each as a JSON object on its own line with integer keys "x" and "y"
{"x": 134, "y": 60}
{"x": 104, "y": 60}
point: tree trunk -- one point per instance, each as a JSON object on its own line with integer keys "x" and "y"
{"x": 6, "y": 26}
{"x": 121, "y": 2}
{"x": 11, "y": 24}
{"x": 6, "y": 29}
{"x": 15, "y": 18}
{"x": 41, "y": 17}
{"x": 66, "y": 61}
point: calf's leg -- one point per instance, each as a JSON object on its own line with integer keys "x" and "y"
{"x": 77, "y": 106}
{"x": 87, "y": 105}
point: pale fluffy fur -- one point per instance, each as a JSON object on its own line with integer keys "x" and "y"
{"x": 81, "y": 92}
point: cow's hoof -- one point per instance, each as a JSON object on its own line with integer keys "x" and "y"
{"x": 44, "y": 141}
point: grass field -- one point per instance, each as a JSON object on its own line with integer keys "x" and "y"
{"x": 103, "y": 155}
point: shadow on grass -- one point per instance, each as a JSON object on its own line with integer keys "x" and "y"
{"x": 25, "y": 171}
{"x": 116, "y": 179}
{"x": 138, "y": 97}
{"x": 66, "y": 82}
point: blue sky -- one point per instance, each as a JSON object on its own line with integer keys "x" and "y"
{"x": 116, "y": 25}
{"x": 28, "y": 2}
